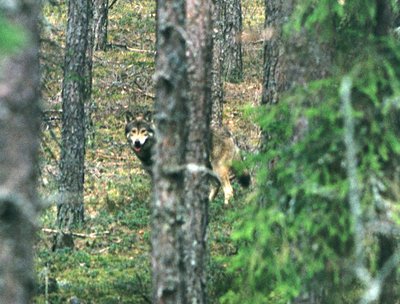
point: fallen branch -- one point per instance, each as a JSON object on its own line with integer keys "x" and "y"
{"x": 80, "y": 235}
{"x": 112, "y": 4}
{"x": 130, "y": 49}
{"x": 140, "y": 50}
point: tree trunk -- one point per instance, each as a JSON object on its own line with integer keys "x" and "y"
{"x": 273, "y": 82}
{"x": 74, "y": 93}
{"x": 19, "y": 142}
{"x": 100, "y": 24}
{"x": 198, "y": 146}
{"x": 288, "y": 64}
{"x": 168, "y": 216}
{"x": 231, "y": 17}
{"x": 89, "y": 102}
{"x": 217, "y": 90}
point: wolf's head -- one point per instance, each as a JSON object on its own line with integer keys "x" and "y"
{"x": 139, "y": 132}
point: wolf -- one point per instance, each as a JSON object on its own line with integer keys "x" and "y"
{"x": 139, "y": 132}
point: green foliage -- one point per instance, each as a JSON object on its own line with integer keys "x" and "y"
{"x": 12, "y": 37}
{"x": 298, "y": 230}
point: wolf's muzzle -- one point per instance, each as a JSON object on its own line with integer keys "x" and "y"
{"x": 137, "y": 145}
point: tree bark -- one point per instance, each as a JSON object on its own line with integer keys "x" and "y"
{"x": 74, "y": 93}
{"x": 168, "y": 216}
{"x": 288, "y": 64}
{"x": 217, "y": 89}
{"x": 199, "y": 28}
{"x": 89, "y": 102}
{"x": 100, "y": 24}
{"x": 19, "y": 142}
{"x": 273, "y": 82}
{"x": 231, "y": 17}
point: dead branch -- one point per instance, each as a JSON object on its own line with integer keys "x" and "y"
{"x": 75, "y": 234}
{"x": 130, "y": 49}
{"x": 140, "y": 51}
{"x": 112, "y": 4}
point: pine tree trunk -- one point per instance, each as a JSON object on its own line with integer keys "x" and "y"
{"x": 89, "y": 102}
{"x": 100, "y": 24}
{"x": 288, "y": 64}
{"x": 74, "y": 94}
{"x": 19, "y": 142}
{"x": 231, "y": 16}
{"x": 199, "y": 29}
{"x": 273, "y": 82}
{"x": 168, "y": 210}
{"x": 217, "y": 89}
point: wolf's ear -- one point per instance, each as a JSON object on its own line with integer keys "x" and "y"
{"x": 128, "y": 116}
{"x": 148, "y": 115}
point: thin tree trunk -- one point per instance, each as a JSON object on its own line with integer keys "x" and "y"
{"x": 217, "y": 89}
{"x": 89, "y": 102}
{"x": 168, "y": 217}
{"x": 231, "y": 17}
{"x": 199, "y": 28}
{"x": 19, "y": 141}
{"x": 70, "y": 207}
{"x": 273, "y": 82}
{"x": 100, "y": 24}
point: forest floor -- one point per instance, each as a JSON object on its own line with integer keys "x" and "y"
{"x": 111, "y": 259}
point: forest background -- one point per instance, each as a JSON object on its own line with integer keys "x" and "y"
{"x": 111, "y": 260}
{"x": 317, "y": 113}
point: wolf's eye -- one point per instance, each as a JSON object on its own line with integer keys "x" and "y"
{"x": 143, "y": 131}
{"x": 134, "y": 131}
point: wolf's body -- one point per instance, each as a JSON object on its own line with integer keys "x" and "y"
{"x": 139, "y": 132}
